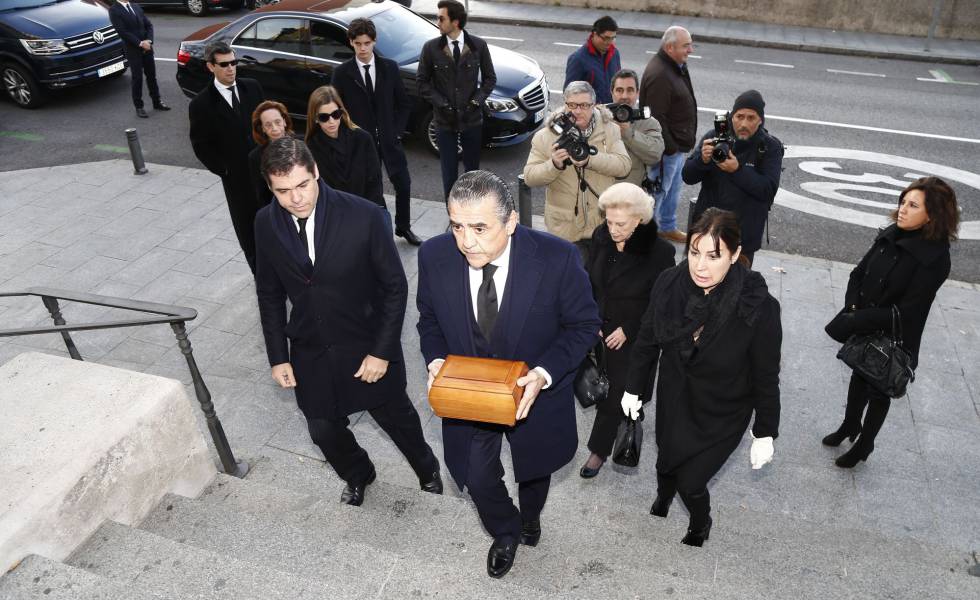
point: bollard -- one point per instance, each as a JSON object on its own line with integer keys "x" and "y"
{"x": 523, "y": 201}
{"x": 136, "y": 152}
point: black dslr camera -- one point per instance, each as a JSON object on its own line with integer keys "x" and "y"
{"x": 571, "y": 139}
{"x": 624, "y": 113}
{"x": 724, "y": 138}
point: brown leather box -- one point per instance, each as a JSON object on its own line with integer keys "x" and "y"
{"x": 478, "y": 389}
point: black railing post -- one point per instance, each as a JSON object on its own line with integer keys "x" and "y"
{"x": 231, "y": 466}
{"x": 524, "y": 204}
{"x": 52, "y": 305}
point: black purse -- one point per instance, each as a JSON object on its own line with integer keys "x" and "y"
{"x": 591, "y": 384}
{"x": 881, "y": 360}
{"x": 629, "y": 442}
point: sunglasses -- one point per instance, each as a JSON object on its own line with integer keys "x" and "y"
{"x": 227, "y": 63}
{"x": 335, "y": 115}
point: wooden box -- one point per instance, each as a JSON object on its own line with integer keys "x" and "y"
{"x": 478, "y": 389}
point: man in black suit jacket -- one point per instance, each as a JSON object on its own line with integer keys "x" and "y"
{"x": 136, "y": 32}
{"x": 221, "y": 135}
{"x": 374, "y": 94}
{"x": 332, "y": 255}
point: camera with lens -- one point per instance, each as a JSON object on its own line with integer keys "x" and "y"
{"x": 724, "y": 138}
{"x": 571, "y": 139}
{"x": 624, "y": 113}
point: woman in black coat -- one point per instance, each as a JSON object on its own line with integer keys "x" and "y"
{"x": 715, "y": 330}
{"x": 904, "y": 268}
{"x": 626, "y": 258}
{"x": 344, "y": 153}
{"x": 270, "y": 121}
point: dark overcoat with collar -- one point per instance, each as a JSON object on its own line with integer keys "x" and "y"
{"x": 547, "y": 318}
{"x": 385, "y": 111}
{"x": 221, "y": 139}
{"x": 351, "y": 303}
{"x": 450, "y": 87}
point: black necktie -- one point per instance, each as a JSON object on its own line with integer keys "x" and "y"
{"x": 367, "y": 78}
{"x": 235, "y": 104}
{"x": 486, "y": 302}
{"x": 302, "y": 235}
{"x": 131, "y": 11}
{"x": 456, "y": 51}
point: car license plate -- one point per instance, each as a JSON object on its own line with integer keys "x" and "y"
{"x": 114, "y": 68}
{"x": 539, "y": 115}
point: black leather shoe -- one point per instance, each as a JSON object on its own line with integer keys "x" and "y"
{"x": 501, "y": 558}
{"x": 834, "y": 439}
{"x": 433, "y": 486}
{"x": 409, "y": 236}
{"x": 531, "y": 532}
{"x": 660, "y": 506}
{"x": 160, "y": 106}
{"x": 354, "y": 494}
{"x": 142, "y": 113}
{"x": 699, "y": 537}
{"x": 587, "y": 472}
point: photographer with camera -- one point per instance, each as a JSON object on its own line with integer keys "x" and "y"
{"x": 640, "y": 132}
{"x": 577, "y": 155}
{"x": 738, "y": 164}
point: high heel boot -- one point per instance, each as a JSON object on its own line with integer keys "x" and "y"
{"x": 857, "y": 399}
{"x": 665, "y": 495}
{"x": 699, "y": 527}
{"x": 877, "y": 411}
{"x": 843, "y": 432}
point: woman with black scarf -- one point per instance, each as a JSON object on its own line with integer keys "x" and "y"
{"x": 344, "y": 153}
{"x": 715, "y": 331}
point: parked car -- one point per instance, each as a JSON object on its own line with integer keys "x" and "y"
{"x": 292, "y": 47}
{"x": 198, "y": 8}
{"x": 55, "y": 44}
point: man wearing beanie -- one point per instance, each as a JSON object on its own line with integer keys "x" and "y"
{"x": 747, "y": 180}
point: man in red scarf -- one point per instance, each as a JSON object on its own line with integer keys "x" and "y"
{"x": 597, "y": 60}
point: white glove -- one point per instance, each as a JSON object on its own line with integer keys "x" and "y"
{"x": 761, "y": 451}
{"x": 631, "y": 405}
{"x": 433, "y": 369}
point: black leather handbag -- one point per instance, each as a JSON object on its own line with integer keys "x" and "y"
{"x": 881, "y": 359}
{"x": 591, "y": 384}
{"x": 629, "y": 442}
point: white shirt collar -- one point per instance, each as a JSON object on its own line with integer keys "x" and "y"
{"x": 361, "y": 65}
{"x": 450, "y": 40}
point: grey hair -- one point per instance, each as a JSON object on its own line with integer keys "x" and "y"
{"x": 473, "y": 187}
{"x": 579, "y": 87}
{"x": 217, "y": 47}
{"x": 670, "y": 36}
{"x": 630, "y": 197}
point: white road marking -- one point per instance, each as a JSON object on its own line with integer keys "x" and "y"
{"x": 566, "y": 44}
{"x": 689, "y": 55}
{"x": 940, "y": 76}
{"x": 501, "y": 39}
{"x": 165, "y": 59}
{"x": 855, "y": 73}
{"x": 934, "y": 136}
{"x": 765, "y": 64}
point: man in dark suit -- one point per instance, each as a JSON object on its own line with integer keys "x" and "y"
{"x": 495, "y": 289}
{"x": 221, "y": 135}
{"x": 136, "y": 32}
{"x": 332, "y": 256}
{"x": 375, "y": 97}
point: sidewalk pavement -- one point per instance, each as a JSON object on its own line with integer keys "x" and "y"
{"x": 166, "y": 237}
{"x": 725, "y": 31}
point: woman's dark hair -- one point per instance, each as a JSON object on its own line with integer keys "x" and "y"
{"x": 281, "y": 155}
{"x": 941, "y": 207}
{"x": 257, "y": 134}
{"x": 362, "y": 26}
{"x": 455, "y": 10}
{"x": 721, "y": 226}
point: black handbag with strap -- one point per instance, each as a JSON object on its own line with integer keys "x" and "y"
{"x": 591, "y": 384}
{"x": 881, "y": 359}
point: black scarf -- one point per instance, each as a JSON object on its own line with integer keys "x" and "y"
{"x": 333, "y": 157}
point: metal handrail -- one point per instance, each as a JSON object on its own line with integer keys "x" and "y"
{"x": 176, "y": 316}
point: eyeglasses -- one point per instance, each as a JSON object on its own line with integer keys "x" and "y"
{"x": 607, "y": 38}
{"x": 335, "y": 115}
{"x": 582, "y": 105}
{"x": 227, "y": 63}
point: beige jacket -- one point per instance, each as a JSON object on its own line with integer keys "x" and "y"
{"x": 570, "y": 213}
{"x": 645, "y": 145}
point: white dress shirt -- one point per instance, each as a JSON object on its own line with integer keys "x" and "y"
{"x": 225, "y": 92}
{"x": 373, "y": 71}
{"x": 461, "y": 44}
{"x": 310, "y": 233}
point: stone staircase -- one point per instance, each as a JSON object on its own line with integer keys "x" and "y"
{"x": 282, "y": 534}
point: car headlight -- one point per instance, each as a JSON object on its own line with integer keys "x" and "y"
{"x": 45, "y": 47}
{"x": 501, "y": 105}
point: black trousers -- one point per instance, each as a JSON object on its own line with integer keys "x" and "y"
{"x": 861, "y": 395}
{"x": 140, "y": 64}
{"x": 470, "y": 140}
{"x": 398, "y": 418}
{"x": 485, "y": 482}
{"x": 240, "y": 196}
{"x": 690, "y": 480}
{"x": 401, "y": 180}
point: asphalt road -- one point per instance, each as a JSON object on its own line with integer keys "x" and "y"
{"x": 856, "y": 129}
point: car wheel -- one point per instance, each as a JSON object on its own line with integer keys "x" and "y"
{"x": 198, "y": 8}
{"x": 426, "y": 132}
{"x": 21, "y": 86}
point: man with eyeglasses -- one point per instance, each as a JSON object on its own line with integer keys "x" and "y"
{"x": 221, "y": 136}
{"x": 571, "y": 200}
{"x": 597, "y": 60}
{"x": 332, "y": 256}
{"x": 456, "y": 76}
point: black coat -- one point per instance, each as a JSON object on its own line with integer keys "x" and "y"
{"x": 748, "y": 192}
{"x": 456, "y": 92}
{"x": 351, "y": 303}
{"x": 383, "y": 113}
{"x": 708, "y": 390}
{"x": 221, "y": 139}
{"x": 262, "y": 192}
{"x": 349, "y": 163}
{"x": 621, "y": 284}
{"x": 132, "y": 29}
{"x": 900, "y": 269}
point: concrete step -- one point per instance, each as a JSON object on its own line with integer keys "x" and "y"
{"x": 37, "y": 577}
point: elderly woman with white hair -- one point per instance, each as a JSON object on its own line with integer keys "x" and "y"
{"x": 626, "y": 258}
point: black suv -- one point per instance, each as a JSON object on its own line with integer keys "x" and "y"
{"x": 292, "y": 47}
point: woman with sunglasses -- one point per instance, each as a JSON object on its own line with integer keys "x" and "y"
{"x": 344, "y": 153}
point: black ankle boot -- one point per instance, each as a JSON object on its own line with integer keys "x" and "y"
{"x": 697, "y": 537}
{"x": 699, "y": 505}
{"x": 843, "y": 432}
{"x": 661, "y": 505}
{"x": 856, "y": 454}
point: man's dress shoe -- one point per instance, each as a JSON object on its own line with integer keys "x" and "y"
{"x": 531, "y": 532}
{"x": 142, "y": 113}
{"x": 160, "y": 106}
{"x": 501, "y": 557}
{"x": 433, "y": 486}
{"x": 409, "y": 236}
{"x": 354, "y": 494}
